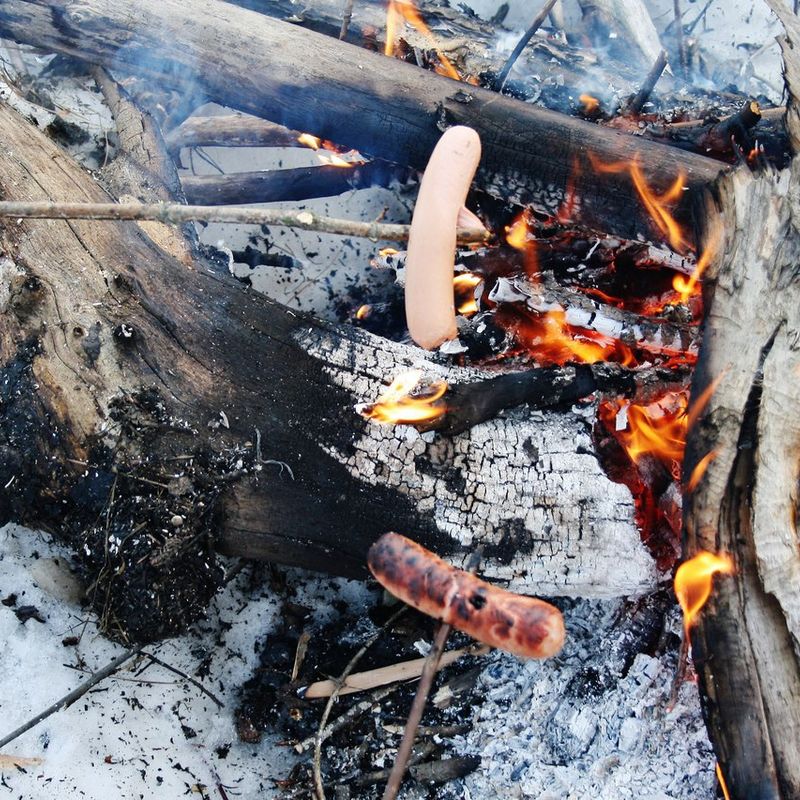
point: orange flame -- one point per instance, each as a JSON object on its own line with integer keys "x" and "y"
{"x": 388, "y": 251}
{"x": 551, "y": 340}
{"x": 657, "y": 429}
{"x": 464, "y": 286}
{"x": 657, "y": 205}
{"x": 688, "y": 287}
{"x": 519, "y": 235}
{"x": 699, "y": 470}
{"x": 722, "y": 785}
{"x": 363, "y": 311}
{"x": 308, "y": 140}
{"x": 693, "y": 582}
{"x": 590, "y": 104}
{"x": 399, "y": 10}
{"x": 405, "y": 404}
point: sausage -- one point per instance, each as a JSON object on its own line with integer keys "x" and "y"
{"x": 430, "y": 309}
{"x": 525, "y": 626}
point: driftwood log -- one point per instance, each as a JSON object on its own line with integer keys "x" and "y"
{"x": 747, "y": 645}
{"x": 382, "y": 107}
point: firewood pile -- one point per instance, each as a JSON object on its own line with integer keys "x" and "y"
{"x": 573, "y": 370}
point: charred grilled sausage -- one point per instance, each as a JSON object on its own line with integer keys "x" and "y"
{"x": 524, "y": 626}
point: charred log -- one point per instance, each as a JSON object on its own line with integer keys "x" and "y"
{"x": 318, "y": 84}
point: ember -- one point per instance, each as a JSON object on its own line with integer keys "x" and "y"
{"x": 405, "y": 402}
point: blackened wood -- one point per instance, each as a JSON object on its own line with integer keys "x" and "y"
{"x": 382, "y": 107}
{"x": 300, "y": 183}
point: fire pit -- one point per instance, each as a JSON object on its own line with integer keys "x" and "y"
{"x": 605, "y": 407}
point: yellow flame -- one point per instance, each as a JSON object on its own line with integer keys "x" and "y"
{"x": 309, "y": 141}
{"x": 464, "y": 286}
{"x": 396, "y": 12}
{"x": 517, "y": 232}
{"x": 388, "y": 251}
{"x": 363, "y": 312}
{"x": 694, "y": 580}
{"x": 399, "y": 405}
{"x": 590, "y": 104}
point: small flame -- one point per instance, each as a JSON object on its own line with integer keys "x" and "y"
{"x": 464, "y": 286}
{"x": 388, "y": 251}
{"x": 404, "y": 404}
{"x": 399, "y": 10}
{"x": 590, "y": 104}
{"x": 308, "y": 140}
{"x": 693, "y": 582}
{"x": 699, "y": 470}
{"x": 722, "y": 785}
{"x": 658, "y": 429}
{"x": 363, "y": 311}
{"x": 519, "y": 235}
{"x": 657, "y": 205}
{"x": 686, "y": 288}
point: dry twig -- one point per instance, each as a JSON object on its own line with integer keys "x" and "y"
{"x": 177, "y": 213}
{"x": 346, "y": 17}
{"x": 75, "y": 694}
{"x": 319, "y": 791}
{"x": 643, "y": 95}
{"x": 502, "y": 76}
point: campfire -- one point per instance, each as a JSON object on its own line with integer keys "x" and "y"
{"x": 529, "y": 355}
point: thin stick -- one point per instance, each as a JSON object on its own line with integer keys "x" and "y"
{"x": 415, "y": 714}
{"x": 421, "y": 698}
{"x": 347, "y": 16}
{"x": 177, "y": 213}
{"x": 643, "y": 95}
{"x": 526, "y": 37}
{"x": 319, "y": 791}
{"x": 679, "y": 34}
{"x": 193, "y": 681}
{"x": 75, "y": 694}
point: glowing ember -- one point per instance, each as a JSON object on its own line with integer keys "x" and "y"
{"x": 363, "y": 312}
{"x": 657, "y": 205}
{"x": 404, "y": 403}
{"x": 590, "y": 104}
{"x": 308, "y": 140}
{"x": 399, "y": 10}
{"x": 693, "y": 582}
{"x": 699, "y": 471}
{"x": 464, "y": 287}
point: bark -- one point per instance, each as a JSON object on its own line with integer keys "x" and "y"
{"x": 382, "y": 107}
{"x": 747, "y": 646}
{"x": 146, "y": 402}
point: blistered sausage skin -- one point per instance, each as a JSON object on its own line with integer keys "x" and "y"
{"x": 430, "y": 308}
{"x": 525, "y": 626}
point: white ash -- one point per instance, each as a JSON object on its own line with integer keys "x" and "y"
{"x": 590, "y": 723}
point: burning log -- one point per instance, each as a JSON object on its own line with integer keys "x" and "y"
{"x": 310, "y": 82}
{"x": 746, "y": 641}
{"x": 231, "y": 130}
